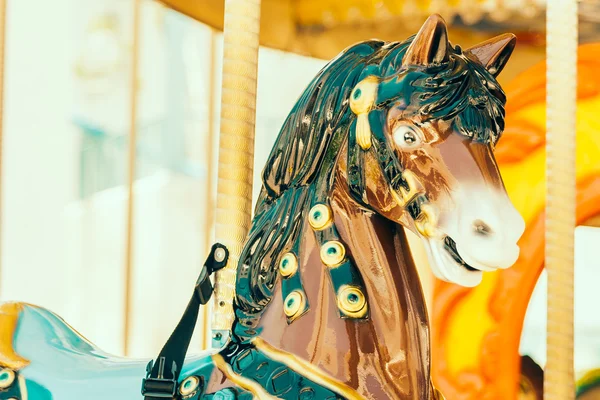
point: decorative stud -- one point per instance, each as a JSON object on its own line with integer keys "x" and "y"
{"x": 333, "y": 253}
{"x": 189, "y": 385}
{"x": 426, "y": 224}
{"x": 352, "y": 302}
{"x": 415, "y": 187}
{"x": 294, "y": 304}
{"x": 319, "y": 216}
{"x": 362, "y": 99}
{"x": 288, "y": 265}
{"x": 219, "y": 254}
{"x": 7, "y": 377}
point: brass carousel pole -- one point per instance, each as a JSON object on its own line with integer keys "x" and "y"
{"x": 131, "y": 158}
{"x": 210, "y": 161}
{"x": 2, "y": 47}
{"x": 561, "y": 53}
{"x": 236, "y": 150}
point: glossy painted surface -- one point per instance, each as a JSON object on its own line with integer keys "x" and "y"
{"x": 64, "y": 365}
{"x": 388, "y": 135}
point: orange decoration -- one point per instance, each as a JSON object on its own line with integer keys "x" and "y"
{"x": 520, "y": 137}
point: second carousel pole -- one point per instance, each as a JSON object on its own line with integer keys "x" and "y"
{"x": 561, "y": 55}
{"x": 236, "y": 151}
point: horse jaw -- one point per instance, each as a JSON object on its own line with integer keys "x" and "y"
{"x": 460, "y": 252}
{"x": 444, "y": 267}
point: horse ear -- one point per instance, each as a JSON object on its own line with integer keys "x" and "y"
{"x": 430, "y": 46}
{"x": 495, "y": 52}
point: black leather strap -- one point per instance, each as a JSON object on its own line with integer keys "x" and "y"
{"x": 163, "y": 373}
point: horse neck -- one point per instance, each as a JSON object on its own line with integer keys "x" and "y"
{"x": 386, "y": 356}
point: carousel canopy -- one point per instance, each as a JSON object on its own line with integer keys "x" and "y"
{"x": 322, "y": 28}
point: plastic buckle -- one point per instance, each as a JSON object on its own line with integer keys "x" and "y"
{"x": 159, "y": 387}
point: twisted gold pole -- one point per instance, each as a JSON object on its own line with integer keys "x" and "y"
{"x": 236, "y": 150}
{"x": 131, "y": 156}
{"x": 2, "y": 44}
{"x": 210, "y": 176}
{"x": 561, "y": 106}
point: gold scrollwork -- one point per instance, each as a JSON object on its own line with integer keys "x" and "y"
{"x": 306, "y": 369}
{"x": 414, "y": 187}
{"x": 362, "y": 99}
{"x": 9, "y": 317}
{"x": 253, "y": 387}
{"x": 426, "y": 224}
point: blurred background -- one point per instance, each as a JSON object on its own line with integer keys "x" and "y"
{"x": 65, "y": 160}
{"x": 65, "y": 147}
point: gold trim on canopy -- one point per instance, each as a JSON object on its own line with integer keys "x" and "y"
{"x": 9, "y": 317}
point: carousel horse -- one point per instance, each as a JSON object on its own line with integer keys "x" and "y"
{"x": 328, "y": 300}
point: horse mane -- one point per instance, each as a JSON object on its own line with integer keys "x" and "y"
{"x": 303, "y": 139}
{"x": 289, "y": 178}
{"x": 300, "y": 165}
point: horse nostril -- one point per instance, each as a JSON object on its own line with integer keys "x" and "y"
{"x": 481, "y": 228}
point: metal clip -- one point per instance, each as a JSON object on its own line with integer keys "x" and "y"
{"x": 216, "y": 260}
{"x": 159, "y": 387}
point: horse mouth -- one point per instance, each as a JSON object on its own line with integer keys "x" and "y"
{"x": 448, "y": 265}
{"x": 450, "y": 247}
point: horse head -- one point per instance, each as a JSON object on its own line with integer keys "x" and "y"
{"x": 386, "y": 135}
{"x": 431, "y": 126}
{"x": 419, "y": 120}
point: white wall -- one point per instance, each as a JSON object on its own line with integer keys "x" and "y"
{"x": 68, "y": 255}
{"x": 65, "y": 254}
{"x": 40, "y": 163}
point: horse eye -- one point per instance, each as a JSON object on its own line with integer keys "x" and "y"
{"x": 407, "y": 137}
{"x": 410, "y": 138}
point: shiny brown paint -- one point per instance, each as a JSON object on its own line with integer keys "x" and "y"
{"x": 387, "y": 356}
